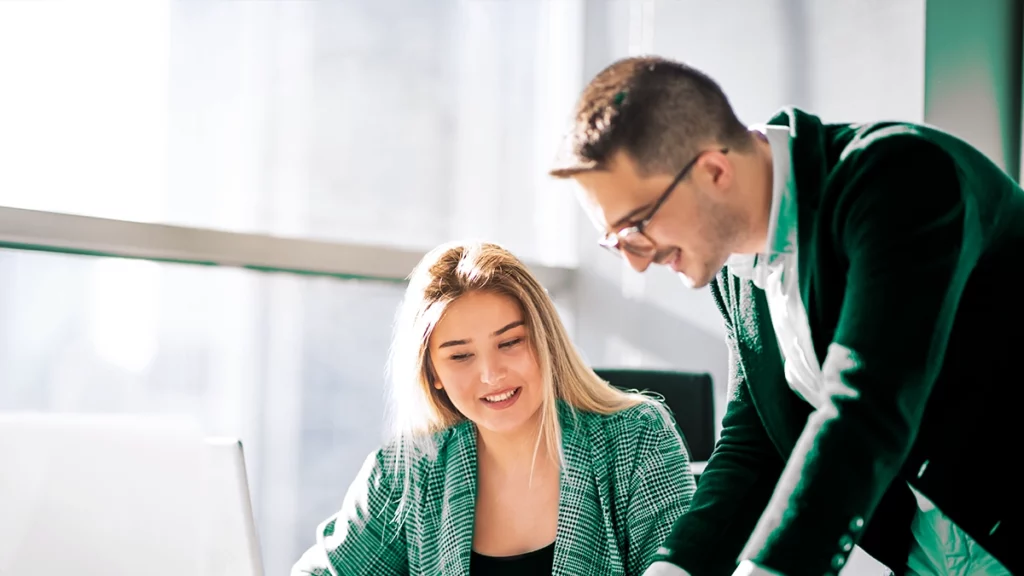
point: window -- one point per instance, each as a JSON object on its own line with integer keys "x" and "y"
{"x": 394, "y": 122}
{"x": 293, "y": 365}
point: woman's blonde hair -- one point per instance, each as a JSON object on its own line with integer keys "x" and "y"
{"x": 445, "y": 274}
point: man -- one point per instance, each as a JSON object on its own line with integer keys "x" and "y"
{"x": 864, "y": 273}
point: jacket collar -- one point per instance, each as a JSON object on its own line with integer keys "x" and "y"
{"x": 808, "y": 146}
{"x": 810, "y": 170}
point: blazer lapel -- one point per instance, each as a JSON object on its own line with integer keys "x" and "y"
{"x": 581, "y": 508}
{"x": 458, "y": 505}
{"x": 781, "y": 410}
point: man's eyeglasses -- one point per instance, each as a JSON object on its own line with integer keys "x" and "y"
{"x": 632, "y": 238}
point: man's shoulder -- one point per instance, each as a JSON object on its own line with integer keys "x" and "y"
{"x": 861, "y": 140}
{"x": 865, "y": 141}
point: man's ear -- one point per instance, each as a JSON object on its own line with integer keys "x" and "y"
{"x": 718, "y": 169}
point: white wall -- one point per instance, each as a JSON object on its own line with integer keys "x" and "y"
{"x": 973, "y": 75}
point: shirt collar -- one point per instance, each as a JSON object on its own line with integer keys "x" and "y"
{"x": 781, "y": 237}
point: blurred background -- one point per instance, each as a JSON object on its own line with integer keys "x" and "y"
{"x": 373, "y": 130}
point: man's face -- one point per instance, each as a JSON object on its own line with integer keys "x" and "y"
{"x": 696, "y": 228}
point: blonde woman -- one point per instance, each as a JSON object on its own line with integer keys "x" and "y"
{"x": 510, "y": 456}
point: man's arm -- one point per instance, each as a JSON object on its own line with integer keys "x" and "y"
{"x": 910, "y": 241}
{"x": 735, "y": 486}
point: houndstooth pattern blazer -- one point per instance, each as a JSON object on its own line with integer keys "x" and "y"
{"x": 626, "y": 480}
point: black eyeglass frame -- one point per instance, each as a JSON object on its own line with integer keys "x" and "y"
{"x": 617, "y": 241}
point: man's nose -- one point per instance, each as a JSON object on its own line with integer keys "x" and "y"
{"x": 638, "y": 263}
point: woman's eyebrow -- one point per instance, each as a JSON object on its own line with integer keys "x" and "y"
{"x": 508, "y": 327}
{"x": 454, "y": 343}
{"x": 497, "y": 332}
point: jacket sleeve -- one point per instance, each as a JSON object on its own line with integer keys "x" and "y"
{"x": 910, "y": 241}
{"x": 363, "y": 538}
{"x": 736, "y": 484}
{"x": 660, "y": 490}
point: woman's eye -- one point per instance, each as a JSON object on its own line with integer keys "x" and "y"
{"x": 510, "y": 343}
{"x": 460, "y": 357}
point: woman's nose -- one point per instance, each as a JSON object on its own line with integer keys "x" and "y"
{"x": 492, "y": 371}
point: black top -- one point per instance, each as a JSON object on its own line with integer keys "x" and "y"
{"x": 536, "y": 563}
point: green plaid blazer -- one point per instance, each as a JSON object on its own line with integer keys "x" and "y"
{"x": 626, "y": 479}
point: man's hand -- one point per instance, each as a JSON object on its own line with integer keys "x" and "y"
{"x": 860, "y": 563}
{"x": 748, "y": 568}
{"x": 665, "y": 569}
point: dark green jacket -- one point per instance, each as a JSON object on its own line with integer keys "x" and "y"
{"x": 910, "y": 246}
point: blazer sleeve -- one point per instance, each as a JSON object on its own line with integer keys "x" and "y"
{"x": 660, "y": 490}
{"x": 363, "y": 538}
{"x": 911, "y": 241}
{"x": 735, "y": 486}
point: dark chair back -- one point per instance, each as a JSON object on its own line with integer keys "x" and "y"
{"x": 689, "y": 396}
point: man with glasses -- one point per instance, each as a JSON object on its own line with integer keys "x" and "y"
{"x": 862, "y": 274}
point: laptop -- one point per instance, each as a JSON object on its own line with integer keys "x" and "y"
{"x": 111, "y": 495}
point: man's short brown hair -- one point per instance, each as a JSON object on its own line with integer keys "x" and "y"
{"x": 659, "y": 111}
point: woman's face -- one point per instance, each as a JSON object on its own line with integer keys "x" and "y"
{"x": 484, "y": 361}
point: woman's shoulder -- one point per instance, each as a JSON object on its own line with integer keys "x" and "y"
{"x": 632, "y": 439}
{"x": 423, "y": 452}
{"x": 647, "y": 415}
{"x": 647, "y": 419}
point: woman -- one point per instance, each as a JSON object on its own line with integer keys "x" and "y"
{"x": 510, "y": 455}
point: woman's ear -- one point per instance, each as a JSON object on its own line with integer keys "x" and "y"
{"x": 432, "y": 375}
